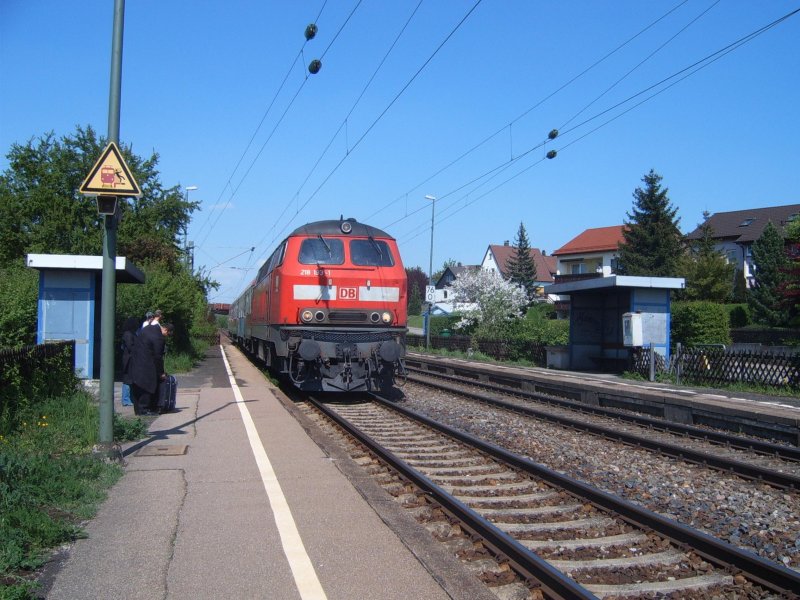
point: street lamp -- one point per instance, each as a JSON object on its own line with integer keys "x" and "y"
{"x": 430, "y": 274}
{"x": 188, "y": 188}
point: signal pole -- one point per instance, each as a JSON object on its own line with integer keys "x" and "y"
{"x": 109, "y": 286}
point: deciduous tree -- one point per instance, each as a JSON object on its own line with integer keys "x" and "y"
{"x": 487, "y": 301}
{"x": 41, "y": 209}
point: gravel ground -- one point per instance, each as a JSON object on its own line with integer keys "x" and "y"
{"x": 753, "y": 516}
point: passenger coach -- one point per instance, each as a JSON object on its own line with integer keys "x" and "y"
{"x": 328, "y": 308}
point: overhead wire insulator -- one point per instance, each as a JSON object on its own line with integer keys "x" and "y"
{"x": 551, "y": 154}
{"x": 553, "y": 134}
{"x": 311, "y": 31}
{"x": 314, "y": 66}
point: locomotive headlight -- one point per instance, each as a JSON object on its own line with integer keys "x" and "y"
{"x": 386, "y": 317}
{"x": 307, "y": 316}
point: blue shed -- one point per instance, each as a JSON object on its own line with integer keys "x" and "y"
{"x": 70, "y": 289}
{"x": 597, "y": 306}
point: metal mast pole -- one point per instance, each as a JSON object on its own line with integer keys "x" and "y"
{"x": 430, "y": 274}
{"x": 109, "y": 278}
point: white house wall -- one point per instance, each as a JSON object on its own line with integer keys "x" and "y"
{"x": 563, "y": 265}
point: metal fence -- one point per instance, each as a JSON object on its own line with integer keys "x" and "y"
{"x": 32, "y": 373}
{"x": 34, "y": 354}
{"x": 716, "y": 365}
{"x": 704, "y": 365}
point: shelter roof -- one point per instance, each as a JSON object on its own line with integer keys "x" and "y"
{"x": 616, "y": 281}
{"x": 126, "y": 271}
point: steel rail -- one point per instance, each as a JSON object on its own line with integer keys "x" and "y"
{"x": 555, "y": 583}
{"x": 766, "y": 573}
{"x": 742, "y": 443}
{"x": 743, "y": 469}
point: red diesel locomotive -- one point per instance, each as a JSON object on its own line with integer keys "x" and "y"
{"x": 328, "y": 309}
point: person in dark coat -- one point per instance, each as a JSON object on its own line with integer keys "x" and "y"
{"x": 147, "y": 368}
{"x": 129, "y": 329}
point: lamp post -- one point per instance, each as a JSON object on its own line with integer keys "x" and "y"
{"x": 430, "y": 274}
{"x": 188, "y": 188}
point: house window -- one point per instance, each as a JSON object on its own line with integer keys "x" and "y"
{"x": 577, "y": 269}
{"x": 614, "y": 265}
{"x": 746, "y": 222}
{"x": 732, "y": 256}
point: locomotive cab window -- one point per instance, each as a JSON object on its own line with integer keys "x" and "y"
{"x": 321, "y": 251}
{"x": 370, "y": 253}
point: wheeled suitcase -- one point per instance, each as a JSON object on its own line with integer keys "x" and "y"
{"x": 167, "y": 392}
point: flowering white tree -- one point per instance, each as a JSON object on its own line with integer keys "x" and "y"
{"x": 487, "y": 300}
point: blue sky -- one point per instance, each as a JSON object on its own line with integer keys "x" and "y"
{"x": 221, "y": 91}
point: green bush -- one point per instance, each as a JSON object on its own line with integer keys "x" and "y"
{"x": 19, "y": 291}
{"x": 49, "y": 483}
{"x": 441, "y": 322}
{"x": 177, "y": 294}
{"x": 739, "y": 315}
{"x": 696, "y": 323}
{"x": 37, "y": 374}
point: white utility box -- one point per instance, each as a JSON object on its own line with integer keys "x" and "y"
{"x": 632, "y": 329}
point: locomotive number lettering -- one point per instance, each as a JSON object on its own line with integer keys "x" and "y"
{"x": 348, "y": 293}
{"x": 314, "y": 272}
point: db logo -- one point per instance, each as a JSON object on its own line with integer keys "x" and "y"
{"x": 348, "y": 293}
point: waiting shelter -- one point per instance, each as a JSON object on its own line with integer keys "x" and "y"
{"x": 598, "y": 306}
{"x": 70, "y": 287}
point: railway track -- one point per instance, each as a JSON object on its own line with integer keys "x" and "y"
{"x": 565, "y": 538}
{"x": 775, "y": 464}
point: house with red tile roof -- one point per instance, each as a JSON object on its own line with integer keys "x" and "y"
{"x": 595, "y": 251}
{"x": 496, "y": 259}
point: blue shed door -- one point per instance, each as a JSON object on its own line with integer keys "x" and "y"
{"x": 65, "y": 313}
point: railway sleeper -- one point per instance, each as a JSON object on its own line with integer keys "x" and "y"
{"x": 705, "y": 585}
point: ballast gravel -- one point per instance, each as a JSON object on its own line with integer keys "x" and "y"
{"x": 753, "y": 516}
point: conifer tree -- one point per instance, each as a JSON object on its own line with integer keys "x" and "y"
{"x": 789, "y": 290}
{"x": 652, "y": 243}
{"x": 709, "y": 275}
{"x": 771, "y": 263}
{"x": 521, "y": 268}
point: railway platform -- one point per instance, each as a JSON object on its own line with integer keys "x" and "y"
{"x": 230, "y": 497}
{"x": 758, "y": 415}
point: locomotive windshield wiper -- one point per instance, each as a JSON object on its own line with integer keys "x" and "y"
{"x": 328, "y": 248}
{"x": 377, "y": 248}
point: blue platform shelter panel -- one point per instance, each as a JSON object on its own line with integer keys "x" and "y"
{"x": 598, "y": 308}
{"x": 66, "y": 312}
{"x": 70, "y": 288}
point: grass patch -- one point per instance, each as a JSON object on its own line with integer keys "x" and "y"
{"x": 475, "y": 356}
{"x": 415, "y": 321}
{"x": 49, "y": 485}
{"x": 183, "y": 361}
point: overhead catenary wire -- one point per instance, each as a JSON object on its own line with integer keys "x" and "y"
{"x": 399, "y": 94}
{"x": 656, "y": 88}
{"x": 643, "y": 97}
{"x": 229, "y": 183}
{"x": 530, "y": 109}
{"x": 344, "y": 121}
{"x": 376, "y": 120}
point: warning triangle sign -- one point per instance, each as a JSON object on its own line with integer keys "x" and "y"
{"x": 110, "y": 176}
